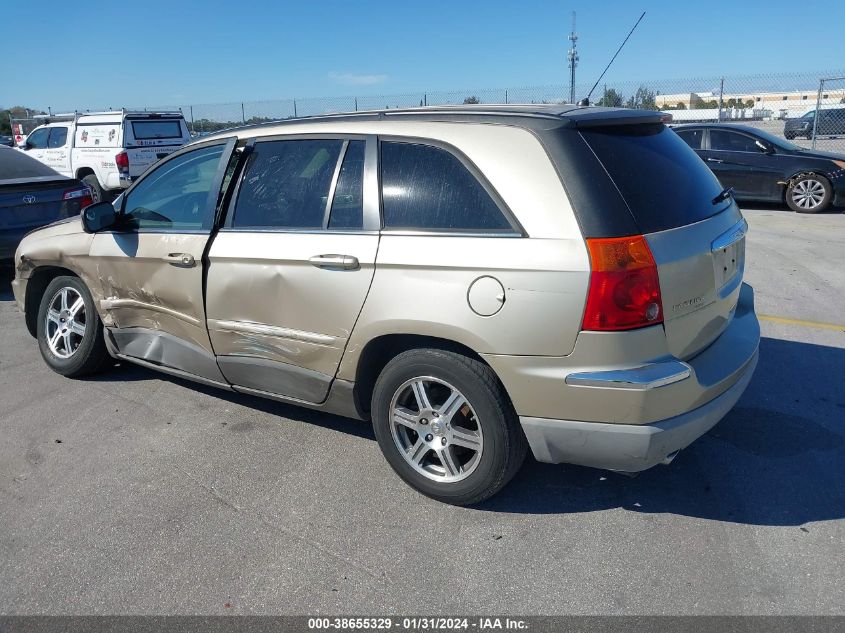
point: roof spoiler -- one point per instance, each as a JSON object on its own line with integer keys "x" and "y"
{"x": 603, "y": 117}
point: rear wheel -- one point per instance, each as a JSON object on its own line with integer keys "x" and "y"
{"x": 97, "y": 193}
{"x": 70, "y": 333}
{"x": 809, "y": 193}
{"x": 446, "y": 426}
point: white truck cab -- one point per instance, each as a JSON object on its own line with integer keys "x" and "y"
{"x": 107, "y": 150}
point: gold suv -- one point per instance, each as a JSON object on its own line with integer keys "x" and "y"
{"x": 478, "y": 281}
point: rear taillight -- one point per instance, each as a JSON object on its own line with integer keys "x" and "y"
{"x": 79, "y": 194}
{"x": 624, "y": 288}
{"x": 122, "y": 162}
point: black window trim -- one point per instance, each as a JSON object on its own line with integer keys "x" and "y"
{"x": 516, "y": 229}
{"x": 371, "y": 215}
{"x": 228, "y": 144}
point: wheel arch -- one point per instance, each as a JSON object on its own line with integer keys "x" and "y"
{"x": 804, "y": 172}
{"x": 86, "y": 171}
{"x": 37, "y": 283}
{"x": 381, "y": 350}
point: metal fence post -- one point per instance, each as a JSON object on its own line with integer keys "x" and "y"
{"x": 243, "y": 114}
{"x": 506, "y": 96}
{"x": 356, "y": 104}
{"x": 294, "y": 108}
{"x": 192, "y": 118}
{"x": 818, "y": 110}
{"x": 721, "y": 97}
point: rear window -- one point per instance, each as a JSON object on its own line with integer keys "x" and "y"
{"x": 664, "y": 183}
{"x": 151, "y": 130}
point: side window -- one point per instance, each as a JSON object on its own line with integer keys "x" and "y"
{"x": 38, "y": 139}
{"x": 425, "y": 187}
{"x": 58, "y": 137}
{"x": 722, "y": 140}
{"x": 692, "y": 137}
{"x": 348, "y": 202}
{"x": 175, "y": 194}
{"x": 286, "y": 184}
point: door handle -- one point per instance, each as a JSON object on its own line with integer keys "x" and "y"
{"x": 335, "y": 262}
{"x": 715, "y": 160}
{"x": 183, "y": 260}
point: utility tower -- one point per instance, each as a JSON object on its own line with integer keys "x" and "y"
{"x": 572, "y": 56}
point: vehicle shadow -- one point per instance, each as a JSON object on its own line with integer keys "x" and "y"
{"x": 778, "y": 458}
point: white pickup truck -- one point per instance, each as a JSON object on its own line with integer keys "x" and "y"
{"x": 107, "y": 150}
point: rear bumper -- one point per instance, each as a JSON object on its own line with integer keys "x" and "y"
{"x": 628, "y": 447}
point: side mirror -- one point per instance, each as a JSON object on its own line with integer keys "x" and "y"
{"x": 98, "y": 216}
{"x": 27, "y": 146}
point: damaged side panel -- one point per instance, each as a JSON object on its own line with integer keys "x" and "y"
{"x": 152, "y": 282}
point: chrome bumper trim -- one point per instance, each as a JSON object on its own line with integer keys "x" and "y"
{"x": 642, "y": 378}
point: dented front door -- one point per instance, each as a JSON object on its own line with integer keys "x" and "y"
{"x": 151, "y": 269}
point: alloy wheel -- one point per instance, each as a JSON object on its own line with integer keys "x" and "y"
{"x": 436, "y": 429}
{"x": 808, "y": 194}
{"x": 65, "y": 323}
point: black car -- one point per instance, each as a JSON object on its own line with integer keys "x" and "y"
{"x": 32, "y": 195}
{"x": 831, "y": 123}
{"x": 8, "y": 141}
{"x": 764, "y": 168}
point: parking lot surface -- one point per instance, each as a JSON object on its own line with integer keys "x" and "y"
{"x": 133, "y": 492}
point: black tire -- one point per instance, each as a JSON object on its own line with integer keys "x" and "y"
{"x": 807, "y": 180}
{"x": 97, "y": 192}
{"x": 504, "y": 444}
{"x": 90, "y": 355}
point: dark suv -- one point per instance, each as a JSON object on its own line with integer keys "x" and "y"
{"x": 831, "y": 122}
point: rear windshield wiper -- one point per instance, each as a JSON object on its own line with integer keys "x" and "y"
{"x": 727, "y": 192}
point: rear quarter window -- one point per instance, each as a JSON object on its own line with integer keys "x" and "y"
{"x": 428, "y": 188}
{"x": 662, "y": 180}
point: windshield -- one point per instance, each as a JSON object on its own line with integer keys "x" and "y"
{"x": 809, "y": 115}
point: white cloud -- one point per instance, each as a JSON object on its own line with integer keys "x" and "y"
{"x": 355, "y": 79}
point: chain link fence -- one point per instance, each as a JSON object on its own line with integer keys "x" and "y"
{"x": 773, "y": 102}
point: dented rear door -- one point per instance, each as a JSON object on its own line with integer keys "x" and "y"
{"x": 151, "y": 266}
{"x": 291, "y": 268}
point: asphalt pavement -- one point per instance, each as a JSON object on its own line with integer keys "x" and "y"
{"x": 137, "y": 493}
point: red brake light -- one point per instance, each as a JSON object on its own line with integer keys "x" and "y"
{"x": 624, "y": 287}
{"x": 122, "y": 161}
{"x": 80, "y": 194}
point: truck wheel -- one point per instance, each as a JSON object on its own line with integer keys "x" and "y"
{"x": 70, "y": 333}
{"x": 446, "y": 426}
{"x": 809, "y": 193}
{"x": 97, "y": 193}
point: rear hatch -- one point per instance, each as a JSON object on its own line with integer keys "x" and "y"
{"x": 697, "y": 239}
{"x": 151, "y": 137}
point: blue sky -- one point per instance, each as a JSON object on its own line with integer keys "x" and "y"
{"x": 94, "y": 54}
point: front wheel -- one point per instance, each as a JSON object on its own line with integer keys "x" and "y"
{"x": 446, "y": 426}
{"x": 70, "y": 334}
{"x": 809, "y": 193}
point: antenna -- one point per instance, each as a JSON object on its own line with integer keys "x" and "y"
{"x": 572, "y": 56}
{"x": 586, "y": 100}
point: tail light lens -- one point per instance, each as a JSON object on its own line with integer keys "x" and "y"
{"x": 624, "y": 287}
{"x": 122, "y": 161}
{"x": 79, "y": 194}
